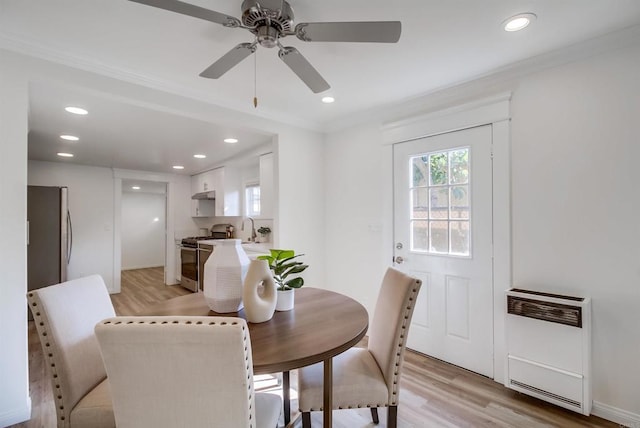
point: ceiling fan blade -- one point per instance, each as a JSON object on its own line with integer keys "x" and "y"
{"x": 193, "y": 10}
{"x": 229, "y": 60}
{"x": 375, "y": 32}
{"x": 305, "y": 71}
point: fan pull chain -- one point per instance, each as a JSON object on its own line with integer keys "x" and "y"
{"x": 255, "y": 80}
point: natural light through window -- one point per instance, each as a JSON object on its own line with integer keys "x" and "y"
{"x": 252, "y": 200}
{"x": 440, "y": 210}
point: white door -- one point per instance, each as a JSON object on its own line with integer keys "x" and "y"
{"x": 443, "y": 235}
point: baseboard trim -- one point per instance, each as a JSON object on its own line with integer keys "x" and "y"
{"x": 142, "y": 267}
{"x": 17, "y": 415}
{"x": 613, "y": 414}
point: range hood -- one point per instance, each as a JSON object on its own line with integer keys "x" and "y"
{"x": 205, "y": 195}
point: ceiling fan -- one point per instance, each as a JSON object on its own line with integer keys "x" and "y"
{"x": 272, "y": 20}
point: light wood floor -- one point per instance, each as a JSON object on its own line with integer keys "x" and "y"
{"x": 432, "y": 393}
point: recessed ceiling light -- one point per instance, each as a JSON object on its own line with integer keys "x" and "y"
{"x": 178, "y": 167}
{"x": 69, "y": 137}
{"x": 328, "y": 100}
{"x": 76, "y": 110}
{"x": 65, "y": 155}
{"x": 135, "y": 187}
{"x": 199, "y": 156}
{"x": 518, "y": 22}
{"x": 230, "y": 140}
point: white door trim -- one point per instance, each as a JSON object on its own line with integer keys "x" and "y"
{"x": 170, "y": 248}
{"x": 493, "y": 111}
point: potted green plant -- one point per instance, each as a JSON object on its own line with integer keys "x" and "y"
{"x": 264, "y": 231}
{"x": 285, "y": 269}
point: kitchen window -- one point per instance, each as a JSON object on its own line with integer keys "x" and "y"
{"x": 252, "y": 200}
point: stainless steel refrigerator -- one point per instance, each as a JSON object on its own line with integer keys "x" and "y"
{"x": 49, "y": 237}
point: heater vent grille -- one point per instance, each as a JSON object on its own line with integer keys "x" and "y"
{"x": 546, "y": 393}
{"x": 545, "y": 311}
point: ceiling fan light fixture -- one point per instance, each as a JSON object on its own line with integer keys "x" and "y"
{"x": 76, "y": 110}
{"x": 268, "y": 36}
{"x": 518, "y": 22}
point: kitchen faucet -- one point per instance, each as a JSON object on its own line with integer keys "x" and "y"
{"x": 253, "y": 229}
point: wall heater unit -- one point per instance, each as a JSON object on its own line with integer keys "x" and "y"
{"x": 549, "y": 347}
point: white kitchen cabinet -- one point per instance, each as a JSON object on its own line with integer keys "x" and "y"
{"x": 206, "y": 181}
{"x": 228, "y": 191}
{"x": 225, "y": 182}
{"x": 267, "y": 194}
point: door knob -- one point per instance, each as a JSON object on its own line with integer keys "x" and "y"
{"x": 399, "y": 260}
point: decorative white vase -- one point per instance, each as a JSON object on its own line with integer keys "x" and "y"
{"x": 259, "y": 307}
{"x": 285, "y": 300}
{"x": 224, "y": 274}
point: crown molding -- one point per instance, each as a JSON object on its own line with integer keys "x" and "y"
{"x": 465, "y": 90}
{"x": 30, "y": 48}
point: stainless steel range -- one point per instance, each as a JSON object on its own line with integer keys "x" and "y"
{"x": 193, "y": 256}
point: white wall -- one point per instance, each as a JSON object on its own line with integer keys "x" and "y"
{"x": 143, "y": 230}
{"x": 15, "y": 405}
{"x": 300, "y": 214}
{"x": 575, "y": 205}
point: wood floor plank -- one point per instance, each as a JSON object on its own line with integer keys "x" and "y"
{"x": 433, "y": 394}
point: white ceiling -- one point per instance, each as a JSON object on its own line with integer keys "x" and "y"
{"x": 443, "y": 43}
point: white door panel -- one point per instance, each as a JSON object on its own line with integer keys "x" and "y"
{"x": 443, "y": 232}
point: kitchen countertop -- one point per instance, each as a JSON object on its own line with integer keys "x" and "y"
{"x": 249, "y": 247}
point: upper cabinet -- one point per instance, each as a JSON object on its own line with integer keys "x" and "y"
{"x": 225, "y": 182}
{"x": 206, "y": 181}
{"x": 267, "y": 194}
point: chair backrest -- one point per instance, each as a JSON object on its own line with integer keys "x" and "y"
{"x": 179, "y": 371}
{"x": 390, "y": 325}
{"x": 65, "y": 315}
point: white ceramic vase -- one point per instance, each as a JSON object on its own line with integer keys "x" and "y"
{"x": 259, "y": 292}
{"x": 224, "y": 274}
{"x": 285, "y": 300}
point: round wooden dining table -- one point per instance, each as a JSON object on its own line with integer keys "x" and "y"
{"x": 321, "y": 325}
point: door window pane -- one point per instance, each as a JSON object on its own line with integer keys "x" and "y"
{"x": 439, "y": 234}
{"x": 420, "y": 171}
{"x": 459, "y": 237}
{"x": 460, "y": 202}
{"x": 440, "y": 202}
{"x": 420, "y": 203}
{"x": 439, "y": 198}
{"x": 438, "y": 166}
{"x": 419, "y": 235}
{"x": 459, "y": 161}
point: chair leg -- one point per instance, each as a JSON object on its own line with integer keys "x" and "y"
{"x": 285, "y": 398}
{"x": 374, "y": 415}
{"x": 392, "y": 417}
{"x": 306, "y": 419}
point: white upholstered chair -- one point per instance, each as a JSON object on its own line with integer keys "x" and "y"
{"x": 65, "y": 315}
{"x": 368, "y": 377}
{"x": 183, "y": 371}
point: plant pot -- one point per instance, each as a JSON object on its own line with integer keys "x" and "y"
{"x": 224, "y": 274}
{"x": 285, "y": 300}
{"x": 259, "y": 307}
